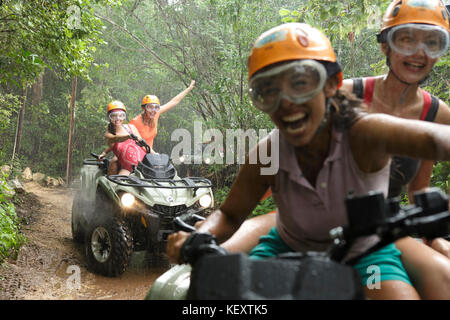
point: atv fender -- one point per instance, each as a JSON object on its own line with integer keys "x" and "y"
{"x": 84, "y": 201}
{"x": 172, "y": 285}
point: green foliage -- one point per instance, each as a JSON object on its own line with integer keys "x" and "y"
{"x": 263, "y": 207}
{"x": 151, "y": 47}
{"x": 441, "y": 176}
{"x": 351, "y": 26}
{"x": 9, "y": 103}
{"x": 10, "y": 237}
{"x": 47, "y": 34}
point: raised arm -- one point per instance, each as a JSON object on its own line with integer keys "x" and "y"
{"x": 177, "y": 99}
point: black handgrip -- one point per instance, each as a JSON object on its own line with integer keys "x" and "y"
{"x": 142, "y": 143}
{"x": 199, "y": 244}
{"x": 95, "y": 155}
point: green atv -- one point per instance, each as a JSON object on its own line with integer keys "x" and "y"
{"x": 116, "y": 215}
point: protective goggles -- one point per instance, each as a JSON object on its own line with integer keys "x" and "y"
{"x": 117, "y": 115}
{"x": 152, "y": 106}
{"x": 408, "y": 38}
{"x": 297, "y": 82}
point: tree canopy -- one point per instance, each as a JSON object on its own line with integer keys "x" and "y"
{"x": 126, "y": 49}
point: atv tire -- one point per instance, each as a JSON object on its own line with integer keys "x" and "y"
{"x": 108, "y": 247}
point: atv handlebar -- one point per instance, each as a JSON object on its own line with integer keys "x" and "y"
{"x": 371, "y": 214}
{"x": 179, "y": 224}
{"x": 198, "y": 245}
{"x": 367, "y": 215}
{"x": 96, "y": 156}
{"x": 141, "y": 143}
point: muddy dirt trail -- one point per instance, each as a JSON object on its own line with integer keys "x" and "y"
{"x": 48, "y": 265}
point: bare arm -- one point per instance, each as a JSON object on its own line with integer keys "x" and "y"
{"x": 104, "y": 153}
{"x": 111, "y": 138}
{"x": 135, "y": 131}
{"x": 347, "y": 85}
{"x": 423, "y": 176}
{"x": 177, "y": 99}
{"x": 388, "y": 135}
{"x": 243, "y": 197}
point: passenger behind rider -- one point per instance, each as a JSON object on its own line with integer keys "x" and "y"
{"x": 324, "y": 154}
{"x": 147, "y": 122}
{"x": 413, "y": 37}
{"x": 119, "y": 139}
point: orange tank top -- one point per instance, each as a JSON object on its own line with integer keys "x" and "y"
{"x": 147, "y": 133}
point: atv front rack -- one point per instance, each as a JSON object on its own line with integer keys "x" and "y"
{"x": 132, "y": 181}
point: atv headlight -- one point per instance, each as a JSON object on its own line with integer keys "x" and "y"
{"x": 205, "y": 201}
{"x": 181, "y": 159}
{"x": 127, "y": 199}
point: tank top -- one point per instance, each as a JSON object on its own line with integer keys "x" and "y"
{"x": 147, "y": 133}
{"x": 403, "y": 169}
{"x": 128, "y": 153}
{"x": 306, "y": 213}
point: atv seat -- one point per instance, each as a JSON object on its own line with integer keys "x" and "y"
{"x": 155, "y": 166}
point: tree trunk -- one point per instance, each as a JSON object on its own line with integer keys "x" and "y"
{"x": 19, "y": 127}
{"x": 72, "y": 126}
{"x": 36, "y": 90}
{"x": 36, "y": 98}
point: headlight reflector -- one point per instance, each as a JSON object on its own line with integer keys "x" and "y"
{"x": 127, "y": 199}
{"x": 205, "y": 201}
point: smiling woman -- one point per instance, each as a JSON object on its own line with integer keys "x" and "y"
{"x": 323, "y": 144}
{"x": 119, "y": 139}
{"x": 413, "y": 36}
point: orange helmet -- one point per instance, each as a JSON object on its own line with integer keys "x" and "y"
{"x": 150, "y": 99}
{"x": 415, "y": 11}
{"x": 291, "y": 41}
{"x": 116, "y": 104}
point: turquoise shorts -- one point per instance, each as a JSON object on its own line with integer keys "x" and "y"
{"x": 381, "y": 265}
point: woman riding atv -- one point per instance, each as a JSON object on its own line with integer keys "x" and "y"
{"x": 147, "y": 122}
{"x": 120, "y": 140}
{"x": 413, "y": 37}
{"x": 323, "y": 138}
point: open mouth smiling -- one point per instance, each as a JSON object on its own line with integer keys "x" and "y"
{"x": 295, "y": 123}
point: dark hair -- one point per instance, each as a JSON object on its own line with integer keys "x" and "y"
{"x": 150, "y": 122}
{"x": 347, "y": 109}
{"x": 331, "y": 67}
{"x": 111, "y": 128}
